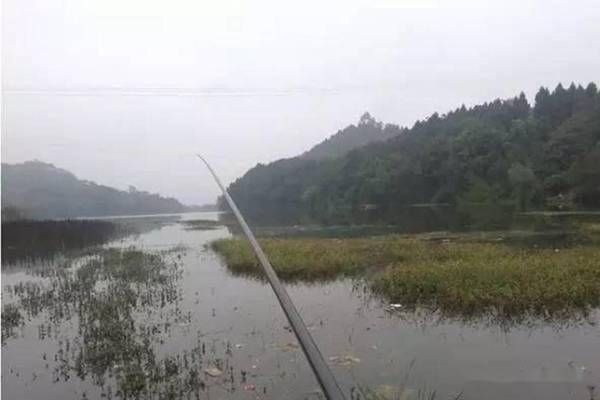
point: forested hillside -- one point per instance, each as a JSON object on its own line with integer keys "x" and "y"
{"x": 506, "y": 152}
{"x": 39, "y": 190}
{"x": 367, "y": 131}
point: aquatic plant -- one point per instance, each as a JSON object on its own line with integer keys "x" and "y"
{"x": 307, "y": 259}
{"x": 472, "y": 279}
{"x": 458, "y": 278}
{"x": 400, "y": 390}
{"x": 105, "y": 293}
{"x": 201, "y": 224}
{"x": 11, "y": 318}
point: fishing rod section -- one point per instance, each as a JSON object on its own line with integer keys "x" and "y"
{"x": 324, "y": 376}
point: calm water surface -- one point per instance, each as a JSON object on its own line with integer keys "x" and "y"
{"x": 234, "y": 324}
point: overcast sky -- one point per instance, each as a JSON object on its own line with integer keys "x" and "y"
{"x": 124, "y": 92}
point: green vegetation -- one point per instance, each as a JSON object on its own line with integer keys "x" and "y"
{"x": 11, "y": 318}
{"x": 473, "y": 278}
{"x": 454, "y": 277}
{"x": 503, "y": 153}
{"x": 367, "y": 131}
{"x": 311, "y": 258}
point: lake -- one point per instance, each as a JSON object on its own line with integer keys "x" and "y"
{"x": 189, "y": 328}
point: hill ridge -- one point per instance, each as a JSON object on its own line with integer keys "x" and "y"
{"x": 503, "y": 152}
{"x": 37, "y": 189}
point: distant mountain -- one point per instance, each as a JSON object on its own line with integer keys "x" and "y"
{"x": 504, "y": 152}
{"x": 367, "y": 131}
{"x": 39, "y": 190}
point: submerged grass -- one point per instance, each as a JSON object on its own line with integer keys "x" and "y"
{"x": 124, "y": 302}
{"x": 456, "y": 278}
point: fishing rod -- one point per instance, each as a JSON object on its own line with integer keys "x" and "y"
{"x": 326, "y": 379}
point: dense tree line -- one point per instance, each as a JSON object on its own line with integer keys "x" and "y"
{"x": 504, "y": 152}
{"x": 368, "y": 130}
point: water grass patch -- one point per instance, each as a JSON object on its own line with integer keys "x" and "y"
{"x": 201, "y": 224}
{"x": 488, "y": 278}
{"x": 307, "y": 259}
{"x": 454, "y": 277}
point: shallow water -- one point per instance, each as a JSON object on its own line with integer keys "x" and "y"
{"x": 235, "y": 324}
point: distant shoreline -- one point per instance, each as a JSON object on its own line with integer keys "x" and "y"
{"x": 146, "y": 215}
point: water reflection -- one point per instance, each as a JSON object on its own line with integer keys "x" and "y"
{"x": 27, "y": 243}
{"x": 419, "y": 218}
{"x": 42, "y": 240}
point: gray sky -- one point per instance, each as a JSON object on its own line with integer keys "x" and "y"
{"x": 126, "y": 91}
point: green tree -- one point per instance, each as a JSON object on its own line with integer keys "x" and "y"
{"x": 523, "y": 181}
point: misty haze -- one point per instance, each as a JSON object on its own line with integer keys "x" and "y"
{"x": 422, "y": 178}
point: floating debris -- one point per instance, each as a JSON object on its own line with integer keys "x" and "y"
{"x": 346, "y": 360}
{"x": 393, "y": 307}
{"x": 213, "y": 371}
{"x": 290, "y": 346}
{"x": 249, "y": 387}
